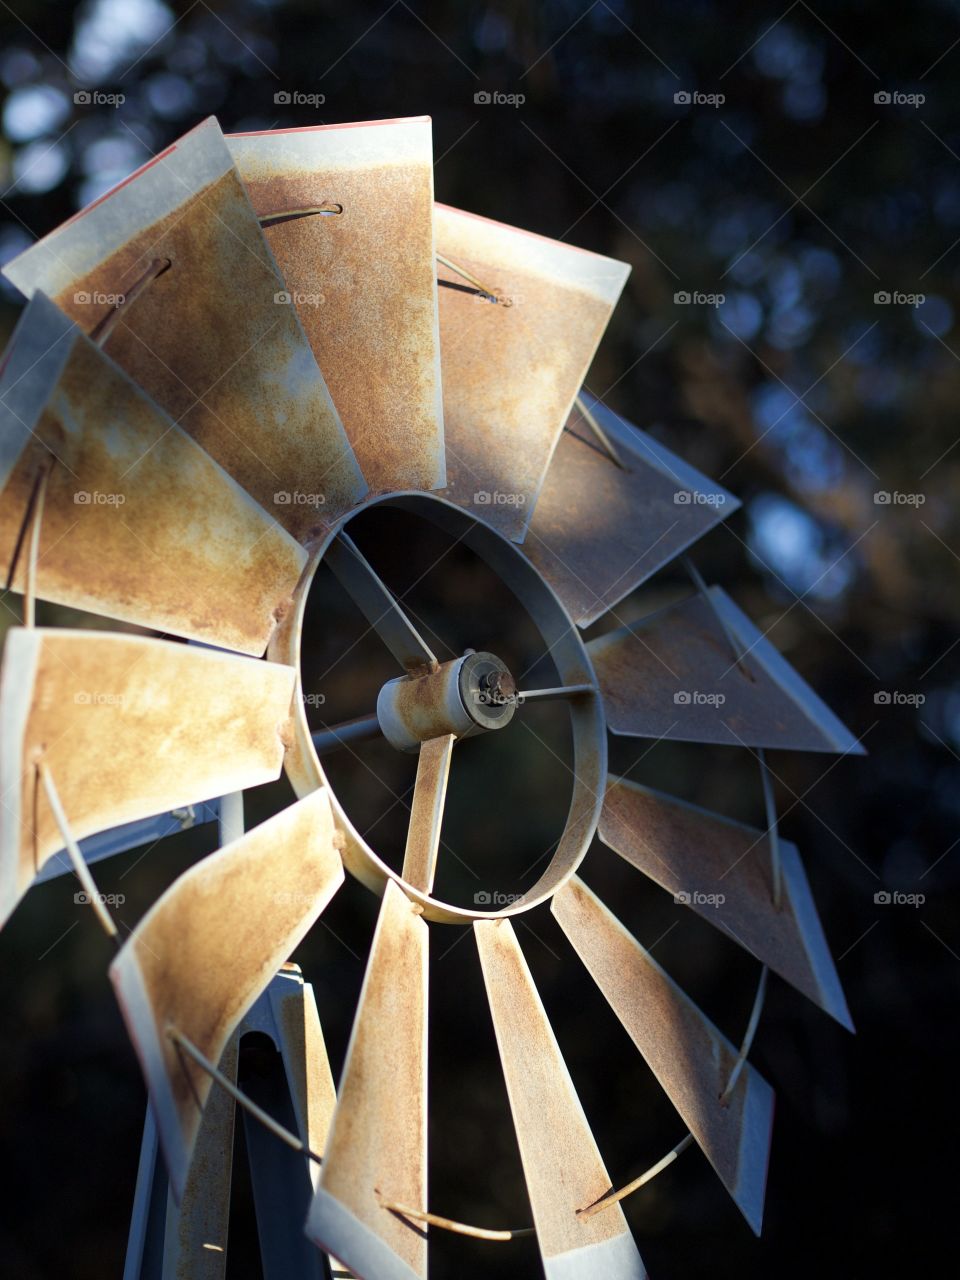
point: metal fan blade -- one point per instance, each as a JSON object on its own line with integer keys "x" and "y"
{"x": 698, "y": 856}
{"x": 213, "y": 339}
{"x": 691, "y": 1059}
{"x": 562, "y": 1166}
{"x": 138, "y": 522}
{"x": 511, "y": 369}
{"x": 675, "y": 675}
{"x": 599, "y": 530}
{"x": 363, "y": 280}
{"x": 426, "y": 812}
{"x": 209, "y": 946}
{"x": 127, "y": 727}
{"x": 377, "y": 1149}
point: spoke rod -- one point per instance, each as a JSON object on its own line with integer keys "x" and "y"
{"x": 426, "y": 812}
{"x": 341, "y": 735}
{"x": 553, "y": 695}
{"x": 374, "y": 600}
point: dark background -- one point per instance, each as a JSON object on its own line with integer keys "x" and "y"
{"x": 799, "y": 197}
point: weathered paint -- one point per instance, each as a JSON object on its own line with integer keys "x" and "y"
{"x": 208, "y": 339}
{"x": 210, "y": 945}
{"x": 363, "y": 281}
{"x": 426, "y": 812}
{"x": 128, "y": 727}
{"x": 691, "y": 1059}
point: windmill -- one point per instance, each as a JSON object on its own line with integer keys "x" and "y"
{"x": 220, "y": 364}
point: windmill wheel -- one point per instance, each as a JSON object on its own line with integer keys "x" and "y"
{"x": 221, "y": 363}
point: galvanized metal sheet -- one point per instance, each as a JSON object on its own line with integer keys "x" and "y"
{"x": 722, "y": 870}
{"x": 214, "y": 339}
{"x": 127, "y": 727}
{"x": 691, "y": 1059}
{"x": 511, "y": 372}
{"x": 674, "y": 675}
{"x": 363, "y": 281}
{"x": 377, "y": 1149}
{"x": 598, "y": 530}
{"x": 563, "y": 1168}
{"x": 138, "y": 521}
{"x": 209, "y": 946}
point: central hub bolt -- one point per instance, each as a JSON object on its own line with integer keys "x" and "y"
{"x": 461, "y": 697}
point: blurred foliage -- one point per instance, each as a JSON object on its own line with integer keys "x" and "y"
{"x": 800, "y": 197}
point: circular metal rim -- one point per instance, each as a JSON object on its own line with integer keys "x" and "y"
{"x": 569, "y": 654}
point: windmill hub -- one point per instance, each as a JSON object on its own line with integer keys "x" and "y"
{"x": 464, "y": 697}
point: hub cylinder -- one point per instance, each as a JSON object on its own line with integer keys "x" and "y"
{"x": 461, "y": 697}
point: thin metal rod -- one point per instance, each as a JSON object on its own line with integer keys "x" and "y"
{"x": 616, "y": 1196}
{"x": 329, "y": 209}
{"x": 103, "y": 329}
{"x": 701, "y": 586}
{"x": 94, "y": 896}
{"x": 30, "y": 596}
{"x": 773, "y": 833}
{"x": 231, "y": 823}
{"x": 278, "y": 1130}
{"x": 554, "y": 695}
{"x": 482, "y": 288}
{"x": 340, "y": 735}
{"x": 748, "y": 1036}
{"x": 461, "y": 1228}
{"x": 587, "y": 414}
{"x": 25, "y": 524}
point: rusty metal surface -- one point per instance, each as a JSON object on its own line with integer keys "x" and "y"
{"x": 305, "y": 771}
{"x": 378, "y": 1140}
{"x": 700, "y": 856}
{"x": 510, "y": 373}
{"x": 426, "y": 812}
{"x": 563, "y": 1169}
{"x": 209, "y": 946}
{"x": 128, "y": 727}
{"x": 599, "y": 531}
{"x": 691, "y": 1059}
{"x": 364, "y": 281}
{"x": 208, "y": 340}
{"x": 139, "y": 523}
{"x": 674, "y": 675}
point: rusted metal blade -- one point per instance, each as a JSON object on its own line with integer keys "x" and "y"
{"x": 378, "y": 1143}
{"x": 512, "y": 369}
{"x": 722, "y": 870}
{"x": 214, "y": 339}
{"x": 363, "y": 281}
{"x": 426, "y": 812}
{"x": 209, "y": 946}
{"x": 375, "y": 601}
{"x": 675, "y": 675}
{"x": 562, "y": 1166}
{"x": 600, "y": 530}
{"x": 138, "y": 521}
{"x": 128, "y": 727}
{"x": 691, "y": 1059}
